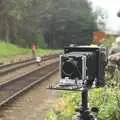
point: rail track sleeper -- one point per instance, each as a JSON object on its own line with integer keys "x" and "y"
{"x": 13, "y": 67}
{"x": 26, "y": 88}
{"x": 25, "y": 85}
{"x": 7, "y": 82}
{"x": 28, "y": 60}
{"x": 7, "y": 65}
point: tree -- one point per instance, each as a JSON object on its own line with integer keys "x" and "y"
{"x": 118, "y": 14}
{"x": 101, "y": 17}
{"x": 20, "y": 20}
{"x": 69, "y": 22}
{"x": 59, "y": 22}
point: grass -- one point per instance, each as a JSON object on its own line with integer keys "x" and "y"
{"x": 106, "y": 99}
{"x": 42, "y": 52}
{"x": 9, "y": 52}
{"x": 109, "y": 41}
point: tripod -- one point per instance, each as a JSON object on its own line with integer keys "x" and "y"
{"x": 84, "y": 113}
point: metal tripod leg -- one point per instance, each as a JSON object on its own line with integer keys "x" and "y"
{"x": 83, "y": 109}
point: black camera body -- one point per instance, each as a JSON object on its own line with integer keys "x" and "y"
{"x": 83, "y": 64}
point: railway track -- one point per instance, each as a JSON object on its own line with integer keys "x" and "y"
{"x": 16, "y": 63}
{"x": 4, "y": 69}
{"x": 13, "y": 88}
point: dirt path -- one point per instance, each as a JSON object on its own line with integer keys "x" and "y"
{"x": 33, "y": 105}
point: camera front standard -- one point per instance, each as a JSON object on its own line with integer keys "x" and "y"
{"x": 83, "y": 65}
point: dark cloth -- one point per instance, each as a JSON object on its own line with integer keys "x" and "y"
{"x": 114, "y": 59}
{"x": 114, "y": 50}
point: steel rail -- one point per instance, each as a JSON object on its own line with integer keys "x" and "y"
{"x": 18, "y": 65}
{"x": 28, "y": 60}
{"x": 14, "y": 88}
{"x": 19, "y": 62}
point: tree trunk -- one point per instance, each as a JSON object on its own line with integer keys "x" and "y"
{"x": 7, "y": 30}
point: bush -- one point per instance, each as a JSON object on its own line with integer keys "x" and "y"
{"x": 107, "y": 99}
{"x": 109, "y": 41}
{"x": 64, "y": 107}
{"x": 40, "y": 41}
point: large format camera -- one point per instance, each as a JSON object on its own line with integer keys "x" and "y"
{"x": 83, "y": 64}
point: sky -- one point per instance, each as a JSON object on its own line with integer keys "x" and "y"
{"x": 111, "y": 7}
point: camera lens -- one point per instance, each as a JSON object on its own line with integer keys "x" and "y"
{"x": 69, "y": 67}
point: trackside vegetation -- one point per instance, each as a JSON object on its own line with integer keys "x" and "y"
{"x": 107, "y": 99}
{"x": 10, "y": 52}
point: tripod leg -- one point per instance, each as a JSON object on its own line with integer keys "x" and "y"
{"x": 83, "y": 109}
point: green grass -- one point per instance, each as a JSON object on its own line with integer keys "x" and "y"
{"x": 106, "y": 99}
{"x": 42, "y": 52}
{"x": 109, "y": 41}
{"x": 10, "y": 52}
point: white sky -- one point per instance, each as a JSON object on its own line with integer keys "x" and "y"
{"x": 112, "y": 7}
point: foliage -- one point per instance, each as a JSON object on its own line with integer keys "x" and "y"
{"x": 109, "y": 41}
{"x": 69, "y": 22}
{"x": 101, "y": 17}
{"x": 20, "y": 20}
{"x": 108, "y": 101}
{"x": 65, "y": 107}
{"x": 10, "y": 52}
{"x": 40, "y": 41}
{"x": 42, "y": 52}
{"x": 60, "y": 22}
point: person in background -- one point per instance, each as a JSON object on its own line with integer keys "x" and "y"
{"x": 34, "y": 50}
{"x": 37, "y": 58}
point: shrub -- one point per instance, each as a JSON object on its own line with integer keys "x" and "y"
{"x": 107, "y": 99}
